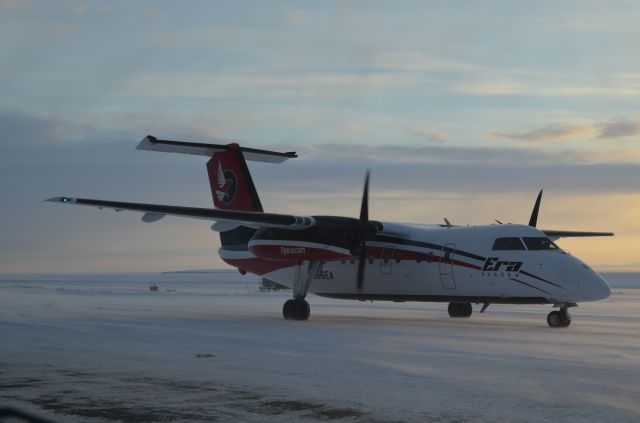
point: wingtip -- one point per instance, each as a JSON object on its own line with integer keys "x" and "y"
{"x": 61, "y": 200}
{"x": 146, "y": 142}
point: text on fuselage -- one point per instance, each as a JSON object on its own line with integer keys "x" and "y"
{"x": 494, "y": 264}
{"x": 287, "y": 251}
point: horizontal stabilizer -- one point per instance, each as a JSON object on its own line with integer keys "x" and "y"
{"x": 151, "y": 143}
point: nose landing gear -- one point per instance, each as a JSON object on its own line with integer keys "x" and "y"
{"x": 460, "y": 309}
{"x": 559, "y": 318}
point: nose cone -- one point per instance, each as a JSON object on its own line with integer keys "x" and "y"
{"x": 595, "y": 287}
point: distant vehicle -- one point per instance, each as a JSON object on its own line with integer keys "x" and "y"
{"x": 362, "y": 259}
{"x": 267, "y": 285}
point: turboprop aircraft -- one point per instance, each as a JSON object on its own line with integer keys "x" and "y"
{"x": 363, "y": 259}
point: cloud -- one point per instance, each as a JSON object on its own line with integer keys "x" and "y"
{"x": 297, "y": 17}
{"x": 558, "y": 132}
{"x": 8, "y": 6}
{"x": 619, "y": 128}
{"x": 548, "y": 133}
{"x": 351, "y": 128}
{"x": 430, "y": 135}
{"x": 413, "y": 60}
{"x": 491, "y": 87}
{"x": 516, "y": 82}
{"x": 15, "y": 128}
{"x": 322, "y": 168}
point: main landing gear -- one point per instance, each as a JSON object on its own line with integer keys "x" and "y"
{"x": 298, "y": 308}
{"x": 559, "y": 318}
{"x": 460, "y": 309}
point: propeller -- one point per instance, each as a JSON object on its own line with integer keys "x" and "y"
{"x": 364, "y": 233}
{"x": 533, "y": 221}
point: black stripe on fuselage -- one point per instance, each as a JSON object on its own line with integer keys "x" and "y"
{"x": 437, "y": 298}
{"x": 402, "y": 241}
{"x": 529, "y": 285}
{"x": 540, "y": 279}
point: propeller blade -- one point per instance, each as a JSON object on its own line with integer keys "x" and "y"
{"x": 361, "y": 263}
{"x": 364, "y": 218}
{"x": 533, "y": 221}
{"x": 364, "y": 209}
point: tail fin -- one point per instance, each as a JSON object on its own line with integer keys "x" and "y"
{"x": 231, "y": 185}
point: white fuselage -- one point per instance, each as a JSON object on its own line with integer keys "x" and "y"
{"x": 434, "y": 263}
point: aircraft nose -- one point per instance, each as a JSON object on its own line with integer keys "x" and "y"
{"x": 596, "y": 287}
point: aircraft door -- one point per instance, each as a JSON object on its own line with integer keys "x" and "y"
{"x": 386, "y": 261}
{"x": 447, "y": 255}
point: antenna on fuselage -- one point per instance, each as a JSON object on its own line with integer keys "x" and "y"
{"x": 447, "y": 223}
{"x": 533, "y": 221}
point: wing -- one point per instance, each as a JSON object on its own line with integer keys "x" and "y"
{"x": 573, "y": 234}
{"x": 154, "y": 212}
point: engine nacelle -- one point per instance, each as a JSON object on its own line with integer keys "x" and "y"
{"x": 330, "y": 238}
{"x": 296, "y": 250}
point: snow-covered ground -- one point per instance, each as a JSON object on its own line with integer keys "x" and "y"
{"x": 95, "y": 347}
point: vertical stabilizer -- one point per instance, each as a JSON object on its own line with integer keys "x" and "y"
{"x": 231, "y": 185}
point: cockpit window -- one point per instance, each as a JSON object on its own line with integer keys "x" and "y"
{"x": 539, "y": 243}
{"x": 511, "y": 243}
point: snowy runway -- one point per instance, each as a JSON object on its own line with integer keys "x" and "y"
{"x": 93, "y": 347}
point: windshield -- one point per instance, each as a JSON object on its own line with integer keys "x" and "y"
{"x": 539, "y": 243}
{"x": 511, "y": 243}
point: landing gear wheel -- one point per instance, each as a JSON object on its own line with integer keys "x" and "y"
{"x": 553, "y": 319}
{"x": 559, "y": 319}
{"x": 296, "y": 310}
{"x": 288, "y": 309}
{"x": 565, "y": 319}
{"x": 460, "y": 309}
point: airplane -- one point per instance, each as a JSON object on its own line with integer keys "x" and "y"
{"x": 362, "y": 259}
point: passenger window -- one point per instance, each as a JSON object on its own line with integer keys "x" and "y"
{"x": 511, "y": 243}
{"x": 539, "y": 243}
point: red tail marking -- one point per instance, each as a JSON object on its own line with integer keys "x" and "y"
{"x": 230, "y": 181}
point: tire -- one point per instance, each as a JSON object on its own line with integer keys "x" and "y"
{"x": 288, "y": 309}
{"x": 460, "y": 309}
{"x": 565, "y": 319}
{"x": 302, "y": 310}
{"x": 453, "y": 309}
{"x": 467, "y": 310}
{"x": 554, "y": 319}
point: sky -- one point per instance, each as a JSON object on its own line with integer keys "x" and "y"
{"x": 461, "y": 109}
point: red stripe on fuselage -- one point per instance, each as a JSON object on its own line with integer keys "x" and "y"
{"x": 261, "y": 266}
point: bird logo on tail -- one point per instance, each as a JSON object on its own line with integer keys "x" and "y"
{"x": 226, "y": 185}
